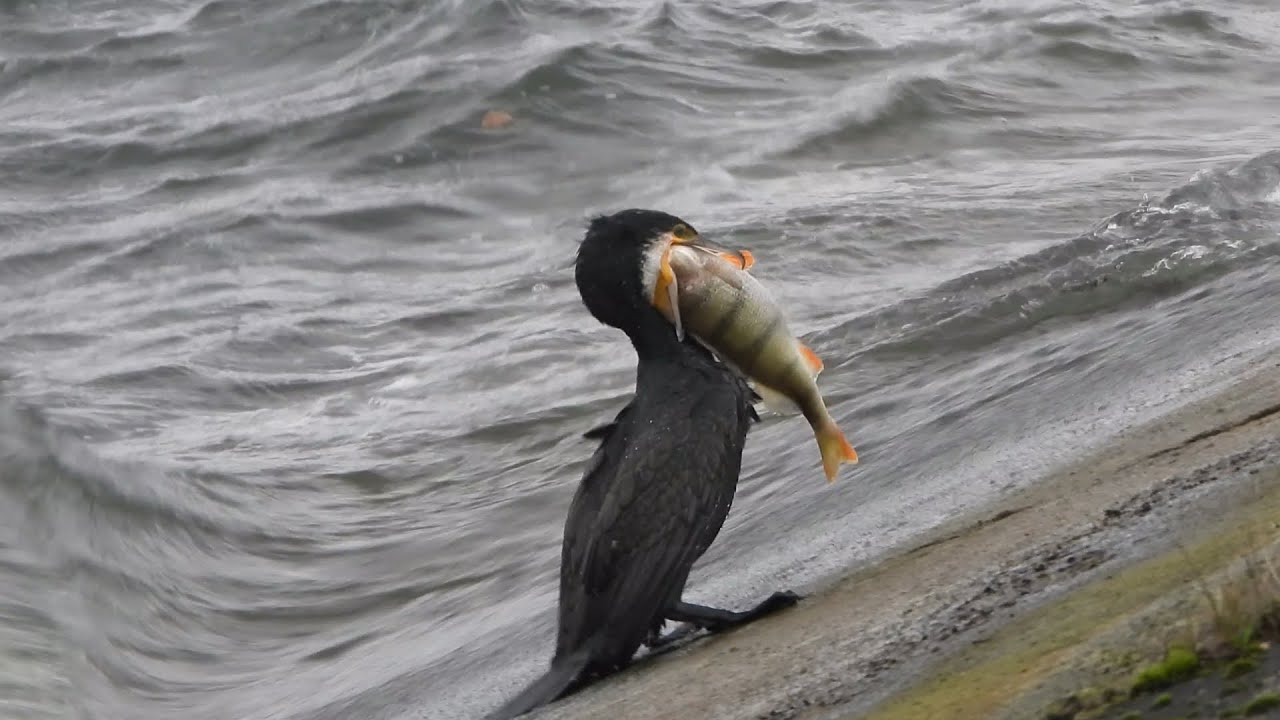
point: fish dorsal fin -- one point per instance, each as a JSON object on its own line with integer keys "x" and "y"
{"x": 741, "y": 259}
{"x": 811, "y": 359}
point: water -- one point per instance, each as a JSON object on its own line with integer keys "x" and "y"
{"x": 293, "y": 371}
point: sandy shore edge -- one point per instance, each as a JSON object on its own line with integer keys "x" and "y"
{"x": 883, "y": 642}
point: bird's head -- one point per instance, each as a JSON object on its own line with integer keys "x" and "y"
{"x": 621, "y": 270}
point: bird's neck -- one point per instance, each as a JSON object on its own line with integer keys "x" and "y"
{"x": 658, "y": 351}
{"x": 654, "y": 338}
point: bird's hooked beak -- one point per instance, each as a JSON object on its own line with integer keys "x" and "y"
{"x": 666, "y": 291}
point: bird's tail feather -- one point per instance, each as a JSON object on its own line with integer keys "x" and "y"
{"x": 557, "y": 681}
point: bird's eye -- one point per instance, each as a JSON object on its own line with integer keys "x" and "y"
{"x": 682, "y": 231}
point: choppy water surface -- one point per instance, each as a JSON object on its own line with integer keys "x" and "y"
{"x": 294, "y": 371}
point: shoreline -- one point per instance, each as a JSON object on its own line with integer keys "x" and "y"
{"x": 877, "y": 642}
{"x": 1096, "y": 634}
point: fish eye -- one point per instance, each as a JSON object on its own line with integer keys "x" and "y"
{"x": 682, "y": 231}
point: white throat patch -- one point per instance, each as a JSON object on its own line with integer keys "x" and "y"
{"x": 650, "y": 267}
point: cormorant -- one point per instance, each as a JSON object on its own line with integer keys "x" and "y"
{"x": 657, "y": 490}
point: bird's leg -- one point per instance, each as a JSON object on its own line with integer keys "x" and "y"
{"x": 717, "y": 620}
{"x": 657, "y": 640}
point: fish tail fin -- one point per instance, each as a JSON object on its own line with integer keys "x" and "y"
{"x": 560, "y": 680}
{"x": 836, "y": 450}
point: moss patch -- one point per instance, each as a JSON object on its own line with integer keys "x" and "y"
{"x": 1262, "y": 703}
{"x": 1207, "y": 694}
{"x": 1240, "y": 666}
{"x": 1078, "y": 704}
{"x": 1179, "y": 663}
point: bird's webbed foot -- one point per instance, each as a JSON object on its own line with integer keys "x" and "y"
{"x": 718, "y": 620}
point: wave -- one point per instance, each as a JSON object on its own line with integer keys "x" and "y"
{"x": 1214, "y": 27}
{"x": 896, "y": 109}
{"x": 145, "y": 40}
{"x": 220, "y": 13}
{"x": 1219, "y": 221}
{"x": 1090, "y": 55}
{"x": 998, "y": 76}
{"x": 17, "y": 73}
{"x": 58, "y": 481}
{"x": 387, "y": 217}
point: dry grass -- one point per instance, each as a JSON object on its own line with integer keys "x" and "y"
{"x": 1244, "y": 608}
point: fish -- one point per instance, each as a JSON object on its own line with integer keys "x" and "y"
{"x": 709, "y": 294}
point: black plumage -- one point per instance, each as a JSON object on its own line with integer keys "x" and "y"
{"x": 659, "y": 486}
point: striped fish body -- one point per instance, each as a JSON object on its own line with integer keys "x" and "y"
{"x": 730, "y": 312}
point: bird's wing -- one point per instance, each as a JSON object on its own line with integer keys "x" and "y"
{"x": 648, "y": 506}
{"x": 601, "y": 432}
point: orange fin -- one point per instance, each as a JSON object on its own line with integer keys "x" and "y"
{"x": 666, "y": 294}
{"x": 811, "y": 358}
{"x": 661, "y": 299}
{"x": 741, "y": 259}
{"x": 836, "y": 450}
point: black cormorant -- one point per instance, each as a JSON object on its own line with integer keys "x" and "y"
{"x": 657, "y": 490}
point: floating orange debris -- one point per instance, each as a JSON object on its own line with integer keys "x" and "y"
{"x": 496, "y": 119}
